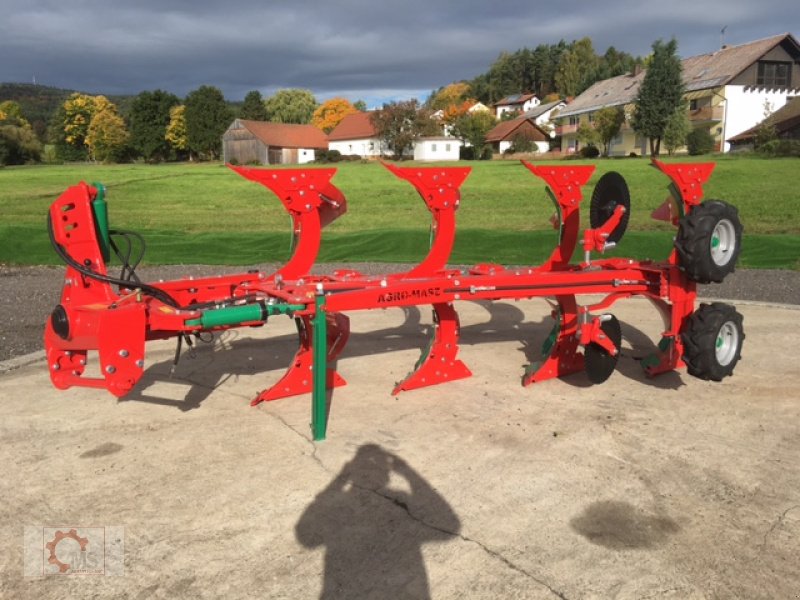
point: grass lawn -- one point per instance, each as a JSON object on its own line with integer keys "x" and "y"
{"x": 503, "y": 216}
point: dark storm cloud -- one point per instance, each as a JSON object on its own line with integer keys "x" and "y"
{"x": 354, "y": 48}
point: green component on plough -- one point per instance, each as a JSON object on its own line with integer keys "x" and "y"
{"x": 100, "y": 210}
{"x": 235, "y": 315}
{"x": 319, "y": 396}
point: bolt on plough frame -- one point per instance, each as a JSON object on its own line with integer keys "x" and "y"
{"x": 116, "y": 316}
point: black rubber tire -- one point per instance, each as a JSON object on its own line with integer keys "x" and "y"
{"x": 698, "y": 257}
{"x": 598, "y": 363}
{"x": 610, "y": 191}
{"x": 712, "y": 341}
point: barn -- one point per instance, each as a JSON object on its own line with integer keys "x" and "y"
{"x": 246, "y": 142}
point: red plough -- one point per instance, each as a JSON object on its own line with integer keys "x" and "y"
{"x": 115, "y": 316}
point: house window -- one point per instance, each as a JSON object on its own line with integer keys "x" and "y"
{"x": 574, "y": 120}
{"x": 350, "y": 147}
{"x": 774, "y": 74}
{"x": 372, "y": 145}
{"x": 591, "y": 117}
{"x": 447, "y": 147}
{"x": 692, "y": 104}
{"x": 616, "y": 140}
{"x": 433, "y": 147}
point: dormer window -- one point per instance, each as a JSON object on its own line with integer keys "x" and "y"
{"x": 774, "y": 74}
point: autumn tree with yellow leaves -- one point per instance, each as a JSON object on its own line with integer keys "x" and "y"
{"x": 107, "y": 137}
{"x": 331, "y": 112}
{"x": 90, "y": 127}
{"x": 176, "y": 130}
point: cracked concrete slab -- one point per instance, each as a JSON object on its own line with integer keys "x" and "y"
{"x": 664, "y": 488}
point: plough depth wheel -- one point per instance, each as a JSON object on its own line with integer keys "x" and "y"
{"x": 709, "y": 241}
{"x": 713, "y": 341}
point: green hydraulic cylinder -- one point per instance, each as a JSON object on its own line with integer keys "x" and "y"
{"x": 245, "y": 313}
{"x": 319, "y": 395}
{"x": 100, "y": 210}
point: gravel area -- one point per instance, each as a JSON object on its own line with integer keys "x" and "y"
{"x": 30, "y": 293}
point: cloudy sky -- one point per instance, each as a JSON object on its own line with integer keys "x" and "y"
{"x": 361, "y": 50}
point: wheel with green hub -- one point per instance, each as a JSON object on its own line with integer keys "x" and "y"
{"x": 709, "y": 241}
{"x": 712, "y": 341}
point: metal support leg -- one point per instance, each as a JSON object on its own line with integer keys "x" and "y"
{"x": 560, "y": 353}
{"x": 319, "y": 395}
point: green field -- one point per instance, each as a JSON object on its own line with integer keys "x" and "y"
{"x": 207, "y": 214}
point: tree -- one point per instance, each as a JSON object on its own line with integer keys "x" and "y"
{"x": 360, "y": 105}
{"x": 577, "y": 68}
{"x": 107, "y": 136}
{"x": 472, "y": 128}
{"x": 766, "y": 131}
{"x": 587, "y": 135}
{"x": 71, "y": 124}
{"x": 678, "y": 128}
{"x": 176, "y": 129}
{"x": 253, "y": 107}
{"x": 291, "y": 106}
{"x": 455, "y": 111}
{"x": 18, "y": 145}
{"x": 449, "y": 95}
{"x": 400, "y": 124}
{"x": 660, "y": 94}
{"x": 149, "y": 117}
{"x": 607, "y": 122}
{"x": 330, "y": 113}
{"x": 11, "y": 114}
{"x": 18, "y": 142}
{"x": 207, "y": 117}
{"x": 699, "y": 141}
{"x": 614, "y": 63}
{"x": 523, "y": 142}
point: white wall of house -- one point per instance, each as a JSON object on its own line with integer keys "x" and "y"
{"x": 744, "y": 107}
{"x": 305, "y": 155}
{"x": 541, "y": 147}
{"x": 545, "y": 119}
{"x": 364, "y": 147}
{"x": 524, "y": 107}
{"x": 437, "y": 149}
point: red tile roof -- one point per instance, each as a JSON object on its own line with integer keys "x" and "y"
{"x": 287, "y": 135}
{"x": 505, "y": 130}
{"x": 357, "y": 126}
{"x": 514, "y": 99}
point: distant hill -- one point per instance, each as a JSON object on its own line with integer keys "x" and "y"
{"x": 40, "y": 102}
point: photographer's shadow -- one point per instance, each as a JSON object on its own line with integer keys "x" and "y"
{"x": 373, "y": 531}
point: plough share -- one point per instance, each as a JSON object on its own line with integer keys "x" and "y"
{"x": 116, "y": 316}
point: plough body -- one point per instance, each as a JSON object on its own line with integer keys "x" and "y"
{"x": 116, "y": 323}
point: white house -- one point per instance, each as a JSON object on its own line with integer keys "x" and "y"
{"x": 726, "y": 92}
{"x": 355, "y": 134}
{"x": 437, "y": 148}
{"x": 520, "y": 103}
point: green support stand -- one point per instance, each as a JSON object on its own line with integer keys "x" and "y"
{"x": 319, "y": 395}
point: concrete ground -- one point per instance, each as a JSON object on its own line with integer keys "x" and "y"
{"x": 665, "y": 488}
